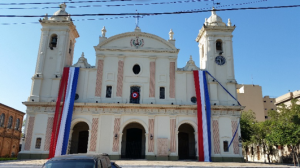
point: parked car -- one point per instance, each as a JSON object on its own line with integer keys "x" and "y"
{"x": 80, "y": 161}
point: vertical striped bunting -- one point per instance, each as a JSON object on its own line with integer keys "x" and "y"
{"x": 63, "y": 115}
{"x": 203, "y": 116}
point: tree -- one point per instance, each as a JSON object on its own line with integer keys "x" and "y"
{"x": 285, "y": 127}
{"x": 247, "y": 129}
{"x": 261, "y": 130}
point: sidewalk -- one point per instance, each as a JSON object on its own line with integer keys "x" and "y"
{"x": 146, "y": 164}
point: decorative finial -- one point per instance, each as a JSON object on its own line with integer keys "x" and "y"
{"x": 63, "y": 6}
{"x": 103, "y": 31}
{"x": 191, "y": 58}
{"x": 213, "y": 12}
{"x": 171, "y": 34}
{"x": 46, "y": 16}
{"x": 82, "y": 55}
{"x": 69, "y": 17}
{"x": 229, "y": 22}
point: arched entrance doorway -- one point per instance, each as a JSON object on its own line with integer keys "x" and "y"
{"x": 133, "y": 141}
{"x": 80, "y": 138}
{"x": 186, "y": 142}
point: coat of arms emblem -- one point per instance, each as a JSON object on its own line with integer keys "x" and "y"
{"x": 137, "y": 42}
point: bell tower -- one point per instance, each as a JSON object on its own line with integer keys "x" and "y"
{"x": 216, "y": 56}
{"x": 55, "y": 52}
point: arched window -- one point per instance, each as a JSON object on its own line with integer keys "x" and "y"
{"x": 17, "y": 124}
{"x": 70, "y": 47}
{"x": 2, "y": 119}
{"x": 38, "y": 143}
{"x": 219, "y": 45}
{"x": 53, "y": 41}
{"x": 225, "y": 146}
{"x": 10, "y": 120}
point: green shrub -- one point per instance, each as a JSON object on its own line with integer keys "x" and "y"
{"x": 6, "y": 158}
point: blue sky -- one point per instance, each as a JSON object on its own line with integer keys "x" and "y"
{"x": 265, "y": 42}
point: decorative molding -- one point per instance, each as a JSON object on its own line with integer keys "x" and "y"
{"x": 214, "y": 28}
{"x": 235, "y": 140}
{"x": 117, "y": 124}
{"x": 48, "y": 133}
{"x": 120, "y": 78}
{"x": 162, "y": 147}
{"x": 29, "y": 133}
{"x": 151, "y": 132}
{"x": 144, "y": 51}
{"x": 216, "y": 137}
{"x": 152, "y": 80}
{"x": 93, "y": 141}
{"x": 99, "y": 78}
{"x": 192, "y": 123}
{"x": 173, "y": 135}
{"x": 147, "y": 109}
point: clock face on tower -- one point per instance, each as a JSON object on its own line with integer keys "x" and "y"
{"x": 220, "y": 60}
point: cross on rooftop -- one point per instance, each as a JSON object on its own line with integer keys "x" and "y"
{"x": 137, "y": 19}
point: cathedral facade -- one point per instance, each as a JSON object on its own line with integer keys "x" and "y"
{"x": 134, "y": 103}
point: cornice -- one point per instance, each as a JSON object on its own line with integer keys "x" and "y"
{"x": 137, "y": 50}
{"x": 214, "y": 28}
{"x": 10, "y": 109}
{"x": 63, "y": 22}
{"x": 131, "y": 109}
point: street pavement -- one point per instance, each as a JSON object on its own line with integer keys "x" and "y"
{"x": 147, "y": 164}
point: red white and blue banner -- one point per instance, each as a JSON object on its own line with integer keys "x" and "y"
{"x": 203, "y": 116}
{"x": 63, "y": 114}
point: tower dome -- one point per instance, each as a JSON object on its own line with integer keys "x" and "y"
{"x": 214, "y": 19}
{"x": 61, "y": 14}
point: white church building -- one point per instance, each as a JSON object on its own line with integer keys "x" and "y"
{"x": 135, "y": 103}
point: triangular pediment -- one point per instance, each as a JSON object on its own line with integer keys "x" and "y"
{"x": 136, "y": 41}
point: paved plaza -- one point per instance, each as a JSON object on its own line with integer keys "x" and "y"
{"x": 146, "y": 164}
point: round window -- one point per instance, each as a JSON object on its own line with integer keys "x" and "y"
{"x": 193, "y": 99}
{"x": 136, "y": 69}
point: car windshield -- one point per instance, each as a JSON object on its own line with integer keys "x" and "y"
{"x": 70, "y": 164}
